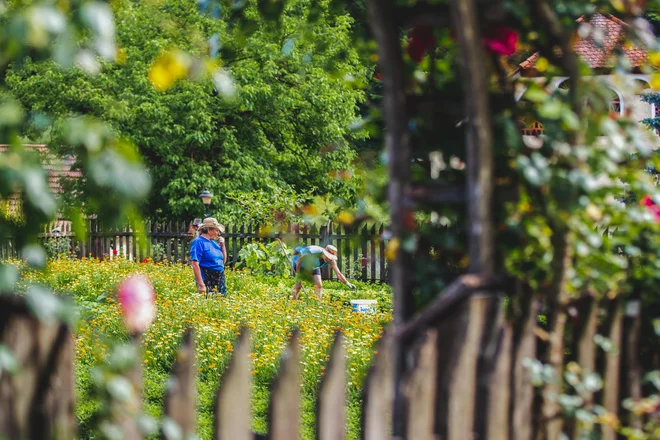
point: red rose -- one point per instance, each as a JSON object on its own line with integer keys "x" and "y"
{"x": 409, "y": 221}
{"x": 421, "y": 41}
{"x": 501, "y": 40}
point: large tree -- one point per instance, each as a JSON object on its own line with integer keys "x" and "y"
{"x": 285, "y": 126}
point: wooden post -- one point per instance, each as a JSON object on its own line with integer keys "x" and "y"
{"x": 102, "y": 241}
{"x": 363, "y": 262}
{"x": 234, "y": 251}
{"x": 323, "y": 241}
{"x": 381, "y": 255}
{"x": 372, "y": 255}
{"x": 329, "y": 240}
{"x": 340, "y": 251}
{"x": 479, "y": 138}
{"x": 168, "y": 248}
{"x": 313, "y": 235}
{"x": 383, "y": 20}
{"x": 242, "y": 238}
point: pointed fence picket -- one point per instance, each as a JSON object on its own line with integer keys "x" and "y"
{"x": 232, "y": 405}
{"x": 331, "y": 412}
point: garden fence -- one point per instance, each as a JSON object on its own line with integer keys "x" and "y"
{"x": 464, "y": 375}
{"x": 361, "y": 250}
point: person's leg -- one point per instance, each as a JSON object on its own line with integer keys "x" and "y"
{"x": 318, "y": 286}
{"x": 222, "y": 286}
{"x": 296, "y": 290}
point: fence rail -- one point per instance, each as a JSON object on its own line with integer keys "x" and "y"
{"x": 361, "y": 250}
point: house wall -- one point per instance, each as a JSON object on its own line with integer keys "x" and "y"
{"x": 629, "y": 89}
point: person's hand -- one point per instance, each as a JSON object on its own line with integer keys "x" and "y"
{"x": 350, "y": 286}
{"x": 201, "y": 289}
{"x": 221, "y": 240}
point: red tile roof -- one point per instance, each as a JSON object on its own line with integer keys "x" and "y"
{"x": 601, "y": 54}
{"x": 57, "y": 168}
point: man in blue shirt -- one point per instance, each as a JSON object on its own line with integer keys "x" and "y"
{"x": 208, "y": 255}
{"x": 307, "y": 263}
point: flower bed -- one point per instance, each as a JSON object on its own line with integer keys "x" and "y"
{"x": 260, "y": 303}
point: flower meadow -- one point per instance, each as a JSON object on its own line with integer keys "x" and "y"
{"x": 260, "y": 303}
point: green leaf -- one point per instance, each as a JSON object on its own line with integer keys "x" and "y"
{"x": 8, "y": 361}
{"x": 43, "y": 304}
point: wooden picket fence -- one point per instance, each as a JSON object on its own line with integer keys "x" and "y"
{"x": 361, "y": 250}
{"x": 463, "y": 375}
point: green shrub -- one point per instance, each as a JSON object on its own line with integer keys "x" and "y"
{"x": 271, "y": 259}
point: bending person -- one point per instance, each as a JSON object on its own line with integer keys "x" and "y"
{"x": 208, "y": 257}
{"x": 307, "y": 263}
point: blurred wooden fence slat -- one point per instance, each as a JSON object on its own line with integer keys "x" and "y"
{"x": 284, "y": 409}
{"x": 460, "y": 419}
{"x": 524, "y": 347}
{"x": 232, "y": 405}
{"x": 419, "y": 388}
{"x": 331, "y": 412}
{"x": 632, "y": 374}
{"x": 495, "y": 376}
{"x": 378, "y": 393}
{"x": 37, "y": 402}
{"x": 611, "y": 379}
{"x": 181, "y": 392}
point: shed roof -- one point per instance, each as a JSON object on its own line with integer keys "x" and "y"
{"x": 605, "y": 38}
{"x": 57, "y": 168}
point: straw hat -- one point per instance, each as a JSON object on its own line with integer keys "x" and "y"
{"x": 330, "y": 252}
{"x": 210, "y": 222}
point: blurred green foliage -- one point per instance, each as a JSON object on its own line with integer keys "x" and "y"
{"x": 76, "y": 36}
{"x": 268, "y": 110}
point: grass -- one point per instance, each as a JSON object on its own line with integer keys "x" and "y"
{"x": 260, "y": 303}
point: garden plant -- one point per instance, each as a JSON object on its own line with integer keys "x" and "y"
{"x": 257, "y": 302}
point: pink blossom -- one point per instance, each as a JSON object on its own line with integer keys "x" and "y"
{"x": 137, "y": 300}
{"x": 501, "y": 40}
{"x": 652, "y": 207}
